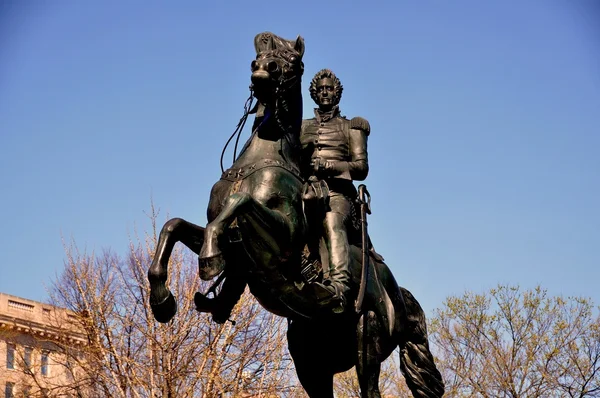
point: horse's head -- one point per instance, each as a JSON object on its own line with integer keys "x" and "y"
{"x": 277, "y": 68}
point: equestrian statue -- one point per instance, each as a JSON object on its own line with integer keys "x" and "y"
{"x": 286, "y": 221}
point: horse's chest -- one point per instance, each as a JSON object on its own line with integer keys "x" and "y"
{"x": 268, "y": 182}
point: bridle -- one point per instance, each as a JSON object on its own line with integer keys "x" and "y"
{"x": 288, "y": 80}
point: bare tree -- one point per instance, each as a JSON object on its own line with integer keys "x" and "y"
{"x": 128, "y": 354}
{"x": 514, "y": 343}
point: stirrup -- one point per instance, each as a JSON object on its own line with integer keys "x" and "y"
{"x": 323, "y": 291}
{"x": 329, "y": 296}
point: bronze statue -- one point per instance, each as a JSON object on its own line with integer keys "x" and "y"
{"x": 257, "y": 236}
{"x": 334, "y": 153}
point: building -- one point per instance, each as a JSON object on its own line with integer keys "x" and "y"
{"x": 33, "y": 340}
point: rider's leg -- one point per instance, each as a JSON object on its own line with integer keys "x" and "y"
{"x": 336, "y": 238}
{"x": 337, "y": 244}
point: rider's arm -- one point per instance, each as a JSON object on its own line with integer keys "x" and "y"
{"x": 358, "y": 166}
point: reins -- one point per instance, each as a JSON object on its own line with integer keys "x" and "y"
{"x": 238, "y": 129}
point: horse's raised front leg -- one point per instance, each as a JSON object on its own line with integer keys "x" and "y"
{"x": 267, "y": 228}
{"x": 175, "y": 230}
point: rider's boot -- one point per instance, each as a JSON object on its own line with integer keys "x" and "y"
{"x": 333, "y": 291}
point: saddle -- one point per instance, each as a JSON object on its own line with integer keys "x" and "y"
{"x": 315, "y": 198}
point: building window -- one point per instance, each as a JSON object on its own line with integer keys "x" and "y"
{"x": 10, "y": 356}
{"x": 9, "y": 390}
{"x": 44, "y": 364}
{"x": 27, "y": 357}
{"x": 20, "y": 306}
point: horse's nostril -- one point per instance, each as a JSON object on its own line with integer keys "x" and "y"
{"x": 272, "y": 66}
{"x": 253, "y": 66}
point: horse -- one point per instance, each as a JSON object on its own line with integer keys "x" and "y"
{"x": 256, "y": 236}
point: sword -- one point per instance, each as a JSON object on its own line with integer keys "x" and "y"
{"x": 364, "y": 198}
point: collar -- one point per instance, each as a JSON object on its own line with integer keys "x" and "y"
{"x": 327, "y": 116}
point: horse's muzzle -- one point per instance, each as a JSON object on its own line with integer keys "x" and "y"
{"x": 260, "y": 76}
{"x": 262, "y": 85}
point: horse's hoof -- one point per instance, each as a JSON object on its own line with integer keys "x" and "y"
{"x": 165, "y": 310}
{"x": 209, "y": 267}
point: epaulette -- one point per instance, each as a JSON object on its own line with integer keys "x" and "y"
{"x": 360, "y": 124}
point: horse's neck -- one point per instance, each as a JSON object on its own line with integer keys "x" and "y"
{"x": 264, "y": 145}
{"x": 276, "y": 134}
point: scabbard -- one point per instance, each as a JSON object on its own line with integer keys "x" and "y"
{"x": 365, "y": 208}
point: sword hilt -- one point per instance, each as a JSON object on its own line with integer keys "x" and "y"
{"x": 364, "y": 198}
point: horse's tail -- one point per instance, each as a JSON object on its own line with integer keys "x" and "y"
{"x": 416, "y": 362}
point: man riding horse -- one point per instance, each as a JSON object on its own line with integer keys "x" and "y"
{"x": 334, "y": 153}
{"x": 257, "y": 235}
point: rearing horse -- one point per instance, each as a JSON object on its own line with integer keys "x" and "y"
{"x": 256, "y": 235}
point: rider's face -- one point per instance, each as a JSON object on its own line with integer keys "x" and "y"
{"x": 325, "y": 93}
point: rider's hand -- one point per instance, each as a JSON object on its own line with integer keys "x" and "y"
{"x": 335, "y": 168}
{"x": 318, "y": 167}
{"x": 326, "y": 168}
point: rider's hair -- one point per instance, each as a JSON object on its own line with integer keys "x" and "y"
{"x": 337, "y": 85}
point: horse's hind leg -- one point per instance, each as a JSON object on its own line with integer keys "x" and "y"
{"x": 312, "y": 361}
{"x": 368, "y": 379}
{"x": 175, "y": 230}
{"x": 368, "y": 366}
{"x": 316, "y": 381}
{"x": 317, "y": 385}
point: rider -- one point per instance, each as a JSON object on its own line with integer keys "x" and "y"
{"x": 334, "y": 151}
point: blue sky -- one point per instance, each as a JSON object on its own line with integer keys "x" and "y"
{"x": 485, "y": 124}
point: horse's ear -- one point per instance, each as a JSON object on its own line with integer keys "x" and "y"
{"x": 271, "y": 44}
{"x": 299, "y": 46}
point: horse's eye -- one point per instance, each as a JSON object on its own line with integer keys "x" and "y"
{"x": 272, "y": 66}
{"x": 293, "y": 59}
